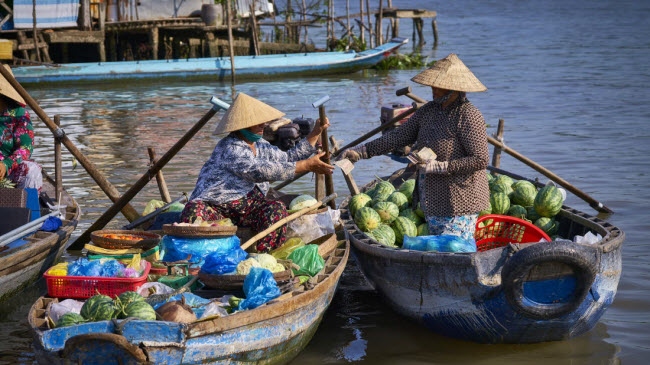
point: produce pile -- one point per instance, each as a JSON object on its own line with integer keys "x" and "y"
{"x": 103, "y": 308}
{"x": 201, "y": 223}
{"x": 263, "y": 260}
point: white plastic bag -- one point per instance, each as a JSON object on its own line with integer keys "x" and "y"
{"x": 57, "y": 310}
{"x": 158, "y": 288}
{"x": 588, "y": 238}
{"x": 214, "y": 309}
{"x": 311, "y": 226}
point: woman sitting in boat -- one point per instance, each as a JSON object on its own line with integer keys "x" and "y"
{"x": 234, "y": 181}
{"x": 17, "y": 140}
{"x": 453, "y": 188}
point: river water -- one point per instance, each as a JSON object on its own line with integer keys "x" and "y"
{"x": 569, "y": 78}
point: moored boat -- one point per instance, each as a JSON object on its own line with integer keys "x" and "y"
{"x": 524, "y": 293}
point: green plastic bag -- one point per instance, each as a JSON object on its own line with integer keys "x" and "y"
{"x": 308, "y": 259}
{"x": 152, "y": 206}
{"x": 283, "y": 252}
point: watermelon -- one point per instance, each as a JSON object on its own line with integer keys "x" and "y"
{"x": 502, "y": 188}
{"x": 399, "y": 199}
{"x": 370, "y": 235}
{"x": 302, "y": 201}
{"x": 384, "y": 235}
{"x": 499, "y": 203}
{"x": 419, "y": 211}
{"x": 531, "y": 214}
{"x": 524, "y": 193}
{"x": 99, "y": 308}
{"x": 403, "y": 227}
{"x": 387, "y": 211}
{"x": 128, "y": 297}
{"x": 485, "y": 223}
{"x": 517, "y": 211}
{"x": 548, "y": 201}
{"x": 407, "y": 188}
{"x": 505, "y": 180}
{"x": 70, "y": 319}
{"x": 423, "y": 229}
{"x": 357, "y": 202}
{"x": 367, "y": 219}
{"x": 486, "y": 211}
{"x": 490, "y": 177}
{"x": 410, "y": 214}
{"x": 384, "y": 187}
{"x": 139, "y": 309}
{"x": 548, "y": 225}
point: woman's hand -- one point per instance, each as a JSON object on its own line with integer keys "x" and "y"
{"x": 318, "y": 129}
{"x": 314, "y": 164}
{"x": 353, "y": 154}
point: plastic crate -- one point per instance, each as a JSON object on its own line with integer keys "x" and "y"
{"x": 504, "y": 230}
{"x": 83, "y": 287}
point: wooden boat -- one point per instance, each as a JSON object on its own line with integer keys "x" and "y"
{"x": 514, "y": 294}
{"x": 273, "y": 333}
{"x": 22, "y": 265}
{"x": 215, "y": 68}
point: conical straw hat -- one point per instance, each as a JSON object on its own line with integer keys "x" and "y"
{"x": 450, "y": 73}
{"x": 245, "y": 112}
{"x": 7, "y": 90}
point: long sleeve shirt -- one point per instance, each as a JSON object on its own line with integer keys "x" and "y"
{"x": 17, "y": 137}
{"x": 456, "y": 134}
{"x": 233, "y": 170}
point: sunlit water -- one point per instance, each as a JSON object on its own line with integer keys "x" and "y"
{"x": 569, "y": 78}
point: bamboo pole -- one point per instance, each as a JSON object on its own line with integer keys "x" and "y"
{"x": 329, "y": 181}
{"x": 380, "y": 39}
{"x": 129, "y": 212}
{"x": 38, "y": 50}
{"x": 496, "y": 156}
{"x": 434, "y": 25}
{"x": 160, "y": 179}
{"x": 304, "y": 19}
{"x": 363, "y": 31}
{"x": 58, "y": 169}
{"x": 286, "y": 220}
{"x": 370, "y": 36}
{"x": 347, "y": 12}
{"x": 230, "y": 42}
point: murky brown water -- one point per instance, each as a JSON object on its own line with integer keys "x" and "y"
{"x": 569, "y": 78}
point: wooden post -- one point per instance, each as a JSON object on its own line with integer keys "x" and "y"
{"x": 419, "y": 23}
{"x": 320, "y": 187}
{"x": 347, "y": 12}
{"x": 153, "y": 40}
{"x": 496, "y": 156}
{"x": 434, "y": 25}
{"x": 395, "y": 32}
{"x": 329, "y": 181}
{"x": 160, "y": 179}
{"x": 363, "y": 31}
{"x": 380, "y": 39}
{"x": 230, "y": 45}
{"x": 304, "y": 19}
{"x": 58, "y": 169}
{"x": 253, "y": 22}
{"x": 22, "y": 39}
{"x": 84, "y": 14}
{"x": 372, "y": 45}
{"x": 330, "y": 24}
{"x": 35, "y": 34}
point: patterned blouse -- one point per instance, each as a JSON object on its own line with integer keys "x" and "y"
{"x": 233, "y": 170}
{"x": 17, "y": 140}
{"x": 456, "y": 134}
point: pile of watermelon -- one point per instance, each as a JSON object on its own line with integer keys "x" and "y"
{"x": 103, "y": 308}
{"x": 384, "y": 213}
{"x": 521, "y": 199}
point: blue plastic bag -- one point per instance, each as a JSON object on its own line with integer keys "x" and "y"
{"x": 178, "y": 248}
{"x": 112, "y": 268}
{"x": 51, "y": 224}
{"x": 442, "y": 243}
{"x": 218, "y": 263}
{"x": 259, "y": 288}
{"x": 197, "y": 303}
{"x": 84, "y": 267}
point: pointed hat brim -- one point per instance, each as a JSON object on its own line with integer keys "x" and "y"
{"x": 7, "y": 90}
{"x": 450, "y": 73}
{"x": 245, "y": 112}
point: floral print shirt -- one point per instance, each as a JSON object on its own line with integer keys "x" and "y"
{"x": 17, "y": 137}
{"x": 233, "y": 170}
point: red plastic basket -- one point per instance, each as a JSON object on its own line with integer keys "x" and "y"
{"x": 504, "y": 230}
{"x": 82, "y": 287}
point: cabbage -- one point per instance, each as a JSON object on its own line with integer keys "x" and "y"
{"x": 152, "y": 206}
{"x": 266, "y": 261}
{"x": 278, "y": 268}
{"x": 302, "y": 201}
{"x": 244, "y": 267}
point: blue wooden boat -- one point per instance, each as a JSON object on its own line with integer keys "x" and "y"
{"x": 273, "y": 333}
{"x": 317, "y": 63}
{"x": 514, "y": 294}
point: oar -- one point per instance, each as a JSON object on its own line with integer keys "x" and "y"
{"x": 329, "y": 181}
{"x": 287, "y": 219}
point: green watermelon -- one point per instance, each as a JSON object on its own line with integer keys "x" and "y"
{"x": 370, "y": 235}
{"x": 381, "y": 191}
{"x": 367, "y": 219}
{"x": 407, "y": 188}
{"x": 485, "y": 223}
{"x": 357, "y": 202}
{"x": 548, "y": 225}
{"x": 517, "y": 211}
{"x": 423, "y": 229}
{"x": 502, "y": 188}
{"x": 531, "y": 214}
{"x": 486, "y": 211}
{"x": 99, "y": 308}
{"x": 548, "y": 201}
{"x": 384, "y": 235}
{"x": 403, "y": 227}
{"x": 387, "y": 211}
{"x": 70, "y": 319}
{"x": 490, "y": 177}
{"x": 141, "y": 310}
{"x": 419, "y": 211}
{"x": 399, "y": 199}
{"x": 506, "y": 180}
{"x": 128, "y": 297}
{"x": 410, "y": 214}
{"x": 524, "y": 193}
{"x": 499, "y": 203}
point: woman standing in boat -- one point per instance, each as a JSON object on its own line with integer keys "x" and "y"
{"x": 234, "y": 181}
{"x": 16, "y": 140}
{"x": 453, "y": 188}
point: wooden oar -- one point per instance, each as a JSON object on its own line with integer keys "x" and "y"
{"x": 329, "y": 181}
{"x": 287, "y": 219}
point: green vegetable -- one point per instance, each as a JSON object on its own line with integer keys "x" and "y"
{"x": 99, "y": 308}
{"x": 70, "y": 319}
{"x": 548, "y": 201}
{"x": 141, "y": 310}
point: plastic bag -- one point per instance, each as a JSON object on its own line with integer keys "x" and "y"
{"x": 282, "y": 252}
{"x": 152, "y": 206}
{"x": 218, "y": 263}
{"x": 214, "y": 309}
{"x": 588, "y": 238}
{"x": 176, "y": 207}
{"x": 311, "y": 226}
{"x": 84, "y": 267}
{"x": 177, "y": 248}
{"x": 51, "y": 224}
{"x": 442, "y": 243}
{"x": 154, "y": 288}
{"x": 259, "y": 288}
{"x": 113, "y": 268}
{"x": 308, "y": 259}
{"x": 66, "y": 306}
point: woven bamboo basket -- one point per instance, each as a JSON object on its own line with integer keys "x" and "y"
{"x": 231, "y": 282}
{"x": 146, "y": 242}
{"x": 199, "y": 232}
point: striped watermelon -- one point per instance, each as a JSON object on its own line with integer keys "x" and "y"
{"x": 367, "y": 219}
{"x": 419, "y": 211}
{"x": 70, "y": 319}
{"x": 141, "y": 310}
{"x": 423, "y": 229}
{"x": 524, "y": 193}
{"x": 410, "y": 214}
{"x": 384, "y": 235}
{"x": 548, "y": 201}
{"x": 486, "y": 211}
{"x": 517, "y": 211}
{"x": 399, "y": 199}
{"x": 382, "y": 190}
{"x": 490, "y": 177}
{"x": 357, "y": 202}
{"x": 128, "y": 297}
{"x": 407, "y": 188}
{"x": 502, "y": 188}
{"x": 506, "y": 180}
{"x": 499, "y": 202}
{"x": 99, "y": 308}
{"x": 387, "y": 211}
{"x": 548, "y": 225}
{"x": 403, "y": 227}
{"x": 531, "y": 214}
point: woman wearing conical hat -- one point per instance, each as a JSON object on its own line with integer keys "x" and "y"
{"x": 16, "y": 140}
{"x": 234, "y": 181}
{"x": 453, "y": 188}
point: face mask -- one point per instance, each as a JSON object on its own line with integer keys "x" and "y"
{"x": 253, "y": 137}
